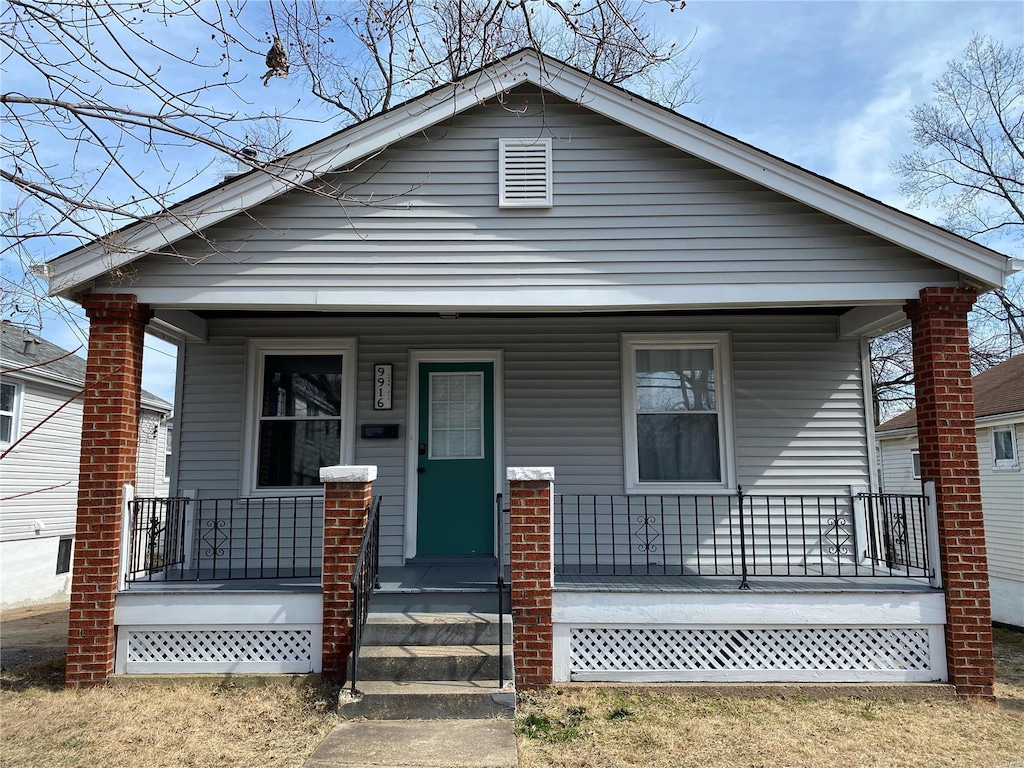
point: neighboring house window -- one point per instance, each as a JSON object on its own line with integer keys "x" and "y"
{"x": 1004, "y": 448}
{"x": 168, "y": 434}
{"x": 9, "y": 402}
{"x": 677, "y": 420}
{"x": 302, "y": 403}
{"x": 915, "y": 463}
{"x": 524, "y": 173}
{"x": 64, "y": 555}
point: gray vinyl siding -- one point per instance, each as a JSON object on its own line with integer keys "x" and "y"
{"x": 896, "y": 466}
{"x": 42, "y": 471}
{"x": 632, "y": 219}
{"x": 799, "y": 408}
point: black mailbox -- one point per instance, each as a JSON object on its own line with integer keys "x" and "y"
{"x": 378, "y": 431}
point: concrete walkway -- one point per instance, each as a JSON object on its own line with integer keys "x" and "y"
{"x": 418, "y": 744}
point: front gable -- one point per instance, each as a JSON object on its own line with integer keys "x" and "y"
{"x": 486, "y": 99}
{"x": 634, "y": 223}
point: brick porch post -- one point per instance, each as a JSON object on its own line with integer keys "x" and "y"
{"x": 947, "y": 441}
{"x": 348, "y": 492}
{"x": 531, "y": 569}
{"x": 110, "y": 438}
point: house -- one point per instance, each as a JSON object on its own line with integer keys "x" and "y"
{"x": 40, "y": 437}
{"x": 999, "y": 407}
{"x": 647, "y": 337}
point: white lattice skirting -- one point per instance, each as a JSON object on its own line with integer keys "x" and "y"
{"x": 757, "y": 654}
{"x": 218, "y": 650}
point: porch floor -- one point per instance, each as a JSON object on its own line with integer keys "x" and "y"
{"x": 303, "y": 584}
{"x": 413, "y": 578}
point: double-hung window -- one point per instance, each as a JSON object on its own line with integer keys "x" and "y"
{"x": 9, "y": 401}
{"x": 1004, "y": 448}
{"x": 302, "y": 398}
{"x": 677, "y": 420}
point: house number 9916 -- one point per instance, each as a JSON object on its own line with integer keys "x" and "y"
{"x": 382, "y": 387}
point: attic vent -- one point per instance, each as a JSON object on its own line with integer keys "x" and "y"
{"x": 524, "y": 173}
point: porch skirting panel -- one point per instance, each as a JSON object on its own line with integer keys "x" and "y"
{"x": 749, "y": 637}
{"x": 218, "y": 633}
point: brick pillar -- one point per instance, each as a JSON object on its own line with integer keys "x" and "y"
{"x": 348, "y": 492}
{"x": 110, "y": 439}
{"x": 531, "y": 569}
{"x": 947, "y": 442}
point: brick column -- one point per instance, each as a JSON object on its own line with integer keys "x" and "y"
{"x": 947, "y": 441}
{"x": 348, "y": 492}
{"x": 110, "y": 439}
{"x": 531, "y": 569}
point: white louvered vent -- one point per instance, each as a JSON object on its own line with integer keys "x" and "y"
{"x": 524, "y": 173}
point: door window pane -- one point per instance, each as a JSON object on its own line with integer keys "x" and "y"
{"x": 456, "y": 415}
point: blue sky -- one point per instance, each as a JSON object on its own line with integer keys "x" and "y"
{"x": 826, "y": 85}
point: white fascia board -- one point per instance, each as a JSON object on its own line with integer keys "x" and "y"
{"x": 1001, "y": 419}
{"x": 44, "y": 378}
{"x": 895, "y": 434}
{"x": 531, "y": 298}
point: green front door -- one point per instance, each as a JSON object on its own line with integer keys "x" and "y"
{"x": 455, "y": 461}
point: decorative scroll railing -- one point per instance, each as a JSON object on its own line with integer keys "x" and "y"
{"x": 181, "y": 539}
{"x": 742, "y": 535}
{"x": 365, "y": 578}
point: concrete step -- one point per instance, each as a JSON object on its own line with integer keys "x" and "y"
{"x": 432, "y": 662}
{"x": 434, "y": 629}
{"x": 428, "y": 700}
{"x": 437, "y": 601}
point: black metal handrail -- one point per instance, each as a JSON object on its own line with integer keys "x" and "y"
{"x": 156, "y": 539}
{"x": 365, "y": 578}
{"x": 500, "y": 582}
{"x": 897, "y": 531}
{"x": 739, "y": 535}
{"x": 182, "y": 539}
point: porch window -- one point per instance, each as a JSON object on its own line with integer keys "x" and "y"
{"x": 676, "y": 394}
{"x": 301, "y": 412}
{"x": 1004, "y": 448}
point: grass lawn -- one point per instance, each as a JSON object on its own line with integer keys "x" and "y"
{"x": 280, "y": 724}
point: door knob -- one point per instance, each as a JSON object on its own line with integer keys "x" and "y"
{"x": 421, "y": 470}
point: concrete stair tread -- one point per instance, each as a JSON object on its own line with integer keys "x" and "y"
{"x": 417, "y": 618}
{"x": 428, "y": 651}
{"x": 433, "y": 687}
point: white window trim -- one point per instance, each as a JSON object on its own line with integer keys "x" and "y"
{"x": 257, "y": 350}
{"x": 15, "y": 413}
{"x": 548, "y": 200}
{"x": 915, "y": 474}
{"x": 721, "y": 344}
{"x": 1014, "y": 461}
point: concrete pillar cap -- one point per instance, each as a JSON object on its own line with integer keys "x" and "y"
{"x": 348, "y": 474}
{"x": 531, "y": 473}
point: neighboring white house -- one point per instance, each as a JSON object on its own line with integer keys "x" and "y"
{"x": 999, "y": 405}
{"x": 41, "y": 426}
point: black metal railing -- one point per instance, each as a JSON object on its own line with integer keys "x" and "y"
{"x": 739, "y": 535}
{"x": 156, "y": 538}
{"x": 897, "y": 531}
{"x": 365, "y": 579}
{"x": 225, "y": 539}
{"x": 500, "y": 513}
